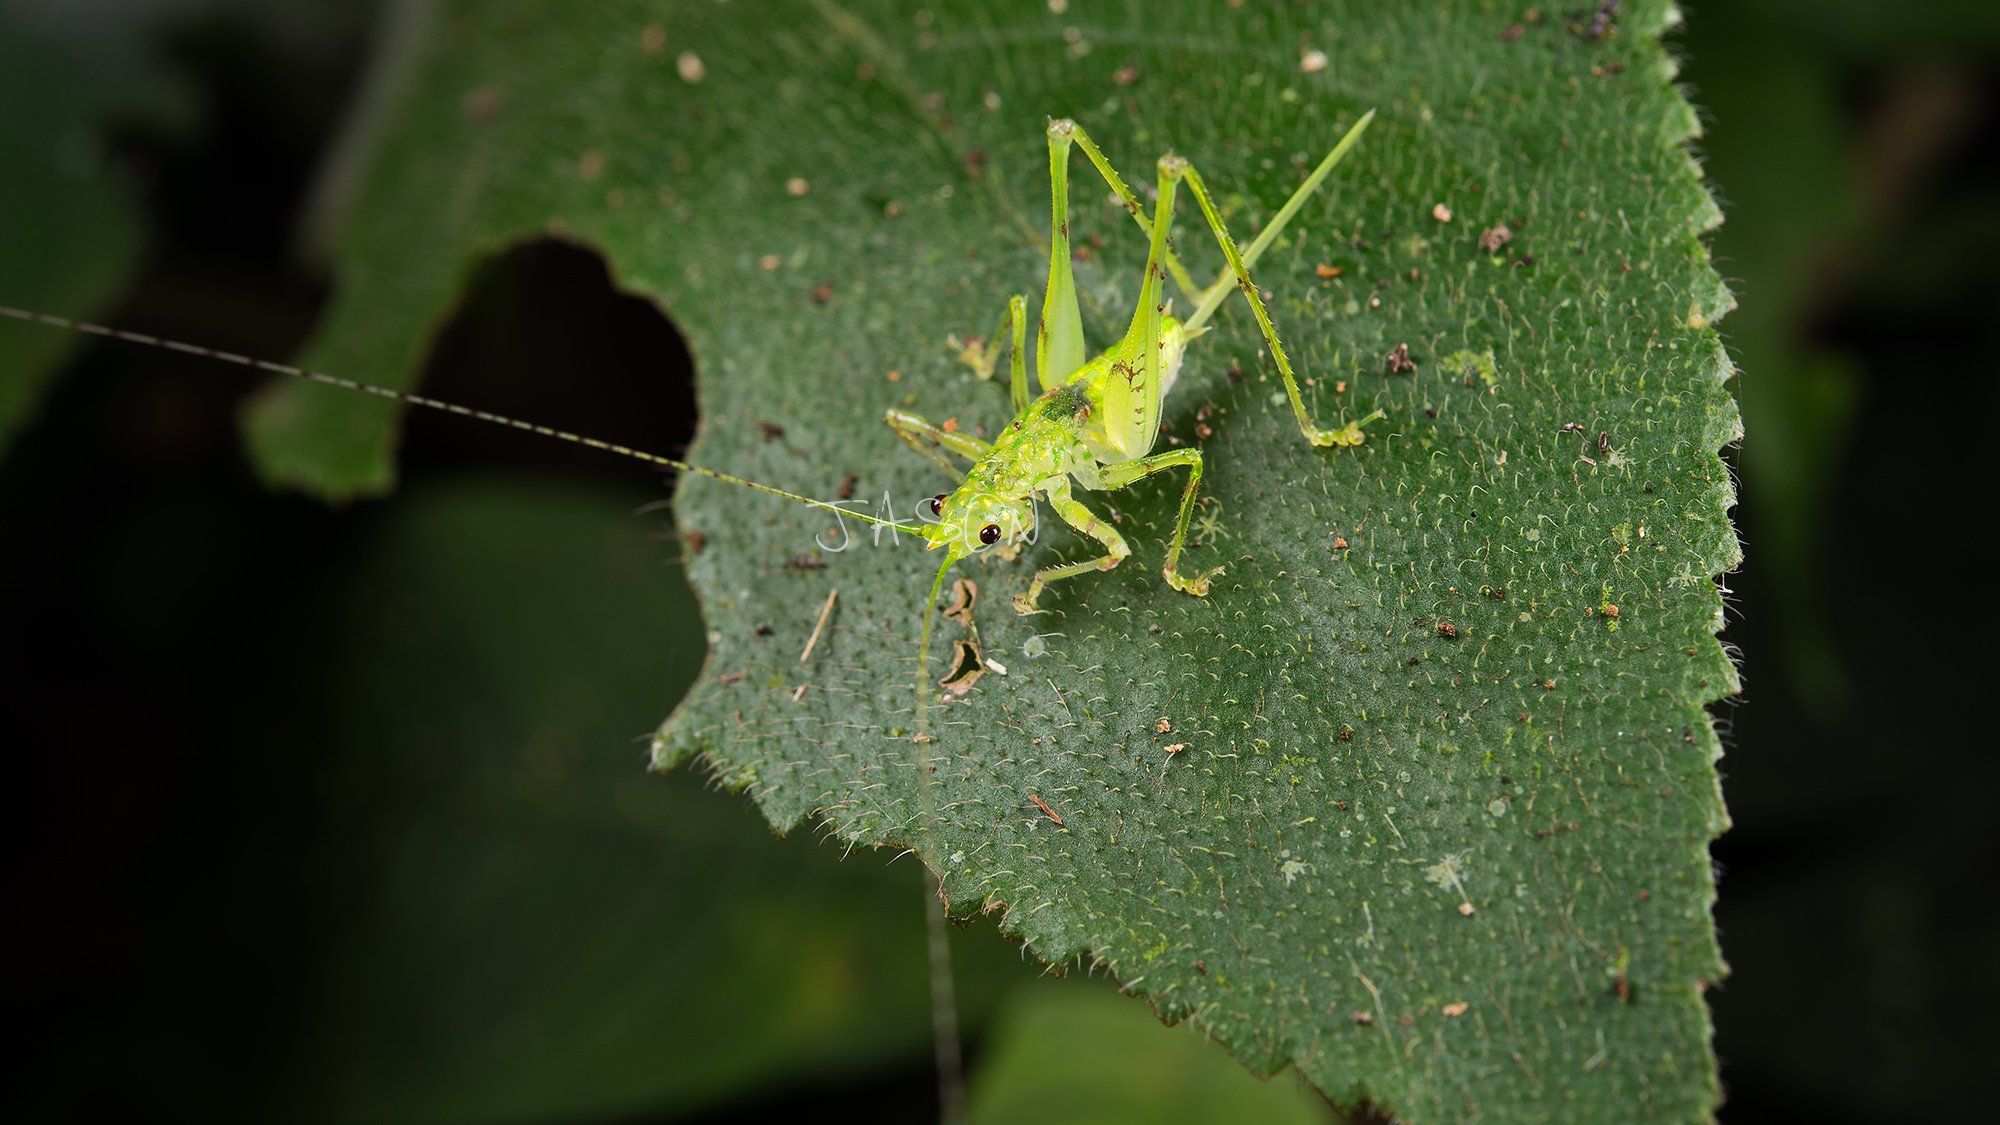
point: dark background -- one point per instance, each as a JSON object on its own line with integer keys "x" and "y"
{"x": 157, "y": 608}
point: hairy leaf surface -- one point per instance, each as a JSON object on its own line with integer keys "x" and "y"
{"x": 1418, "y": 799}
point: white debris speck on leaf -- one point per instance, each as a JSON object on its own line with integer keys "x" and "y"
{"x": 690, "y": 67}
{"x": 1313, "y": 61}
{"x": 1291, "y": 869}
{"x": 1447, "y": 871}
{"x": 797, "y": 186}
{"x": 1441, "y": 213}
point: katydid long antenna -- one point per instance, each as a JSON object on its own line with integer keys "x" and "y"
{"x": 417, "y": 400}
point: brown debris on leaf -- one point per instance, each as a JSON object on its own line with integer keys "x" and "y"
{"x": 966, "y": 668}
{"x": 1399, "y": 361}
{"x": 964, "y": 598}
{"x": 1044, "y": 806}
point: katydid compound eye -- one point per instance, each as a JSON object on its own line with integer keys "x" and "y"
{"x": 937, "y": 504}
{"x": 990, "y": 534}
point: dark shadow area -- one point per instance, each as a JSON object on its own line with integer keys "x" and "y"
{"x": 158, "y": 639}
{"x": 1854, "y": 908}
{"x": 149, "y": 583}
{"x": 544, "y": 338}
{"x": 907, "y": 1095}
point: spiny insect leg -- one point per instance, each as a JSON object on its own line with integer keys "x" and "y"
{"x": 1226, "y": 281}
{"x": 1085, "y": 521}
{"x": 1347, "y": 435}
{"x": 1118, "y": 476}
{"x": 983, "y": 354}
{"x": 1134, "y": 208}
{"x": 1131, "y": 419}
{"x": 1059, "y": 341}
{"x": 913, "y": 429}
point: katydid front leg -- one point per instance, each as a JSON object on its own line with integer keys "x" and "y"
{"x": 913, "y": 429}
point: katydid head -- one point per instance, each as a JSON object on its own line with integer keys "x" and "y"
{"x": 973, "y": 519}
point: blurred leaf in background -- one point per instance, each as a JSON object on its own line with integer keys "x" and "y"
{"x": 525, "y": 926}
{"x": 1817, "y": 196}
{"x": 386, "y": 848}
{"x": 1857, "y": 148}
{"x": 1080, "y": 1054}
{"x": 69, "y": 232}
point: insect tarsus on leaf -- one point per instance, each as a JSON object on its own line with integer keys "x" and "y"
{"x": 1095, "y": 422}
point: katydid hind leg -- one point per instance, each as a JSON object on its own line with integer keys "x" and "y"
{"x": 1135, "y": 384}
{"x": 1213, "y": 297}
{"x": 1059, "y": 341}
{"x": 1134, "y": 208}
{"x": 1348, "y": 435}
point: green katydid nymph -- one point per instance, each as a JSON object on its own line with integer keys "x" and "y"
{"x": 1095, "y": 422}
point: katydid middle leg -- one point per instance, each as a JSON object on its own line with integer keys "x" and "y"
{"x": 1073, "y": 513}
{"x": 1120, "y": 475}
{"x": 1078, "y": 516}
{"x": 983, "y": 355}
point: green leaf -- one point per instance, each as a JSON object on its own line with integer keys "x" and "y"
{"x": 522, "y": 924}
{"x": 1444, "y": 870}
{"x": 1076, "y": 1053}
{"x": 70, "y": 237}
{"x": 1801, "y": 207}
